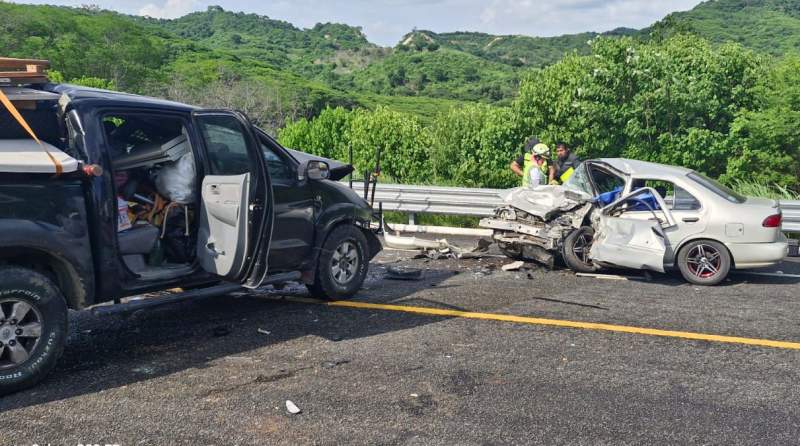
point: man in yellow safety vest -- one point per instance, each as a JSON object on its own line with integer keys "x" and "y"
{"x": 533, "y": 165}
{"x": 564, "y": 165}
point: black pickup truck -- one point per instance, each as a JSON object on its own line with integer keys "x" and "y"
{"x": 124, "y": 195}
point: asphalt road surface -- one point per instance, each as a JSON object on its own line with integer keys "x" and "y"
{"x": 220, "y": 370}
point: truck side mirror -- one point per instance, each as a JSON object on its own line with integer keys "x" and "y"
{"x": 314, "y": 170}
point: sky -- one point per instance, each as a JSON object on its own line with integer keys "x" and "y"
{"x": 386, "y": 21}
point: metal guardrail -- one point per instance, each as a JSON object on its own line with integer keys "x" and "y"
{"x": 791, "y": 215}
{"x": 474, "y": 202}
{"x": 436, "y": 199}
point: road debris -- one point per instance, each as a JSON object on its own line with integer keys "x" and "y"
{"x": 332, "y": 364}
{"x": 514, "y": 266}
{"x": 292, "y": 408}
{"x": 602, "y": 276}
{"x": 264, "y": 332}
{"x": 400, "y": 273}
{"x": 775, "y": 274}
{"x": 435, "y": 249}
{"x": 221, "y": 331}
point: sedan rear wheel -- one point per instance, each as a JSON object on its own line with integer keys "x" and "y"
{"x": 704, "y": 262}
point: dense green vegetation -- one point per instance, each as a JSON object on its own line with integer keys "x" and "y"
{"x": 712, "y": 88}
{"x": 516, "y": 51}
{"x": 442, "y": 73}
{"x": 770, "y": 26}
{"x": 195, "y": 59}
{"x": 727, "y": 112}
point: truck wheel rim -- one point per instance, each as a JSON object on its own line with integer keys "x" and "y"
{"x": 20, "y": 331}
{"x": 344, "y": 263}
{"x": 704, "y": 261}
{"x": 581, "y": 248}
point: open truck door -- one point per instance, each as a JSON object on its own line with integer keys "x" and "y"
{"x": 236, "y": 213}
{"x": 633, "y": 242}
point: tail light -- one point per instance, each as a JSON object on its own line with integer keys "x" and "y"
{"x": 773, "y": 221}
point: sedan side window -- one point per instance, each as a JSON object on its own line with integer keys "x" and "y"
{"x": 676, "y": 197}
{"x": 279, "y": 170}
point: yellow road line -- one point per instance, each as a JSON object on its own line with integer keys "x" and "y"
{"x": 555, "y": 323}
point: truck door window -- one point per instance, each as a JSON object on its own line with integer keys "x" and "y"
{"x": 279, "y": 170}
{"x": 226, "y": 145}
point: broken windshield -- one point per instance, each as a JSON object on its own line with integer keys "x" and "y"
{"x": 579, "y": 181}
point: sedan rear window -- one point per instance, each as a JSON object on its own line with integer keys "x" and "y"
{"x": 718, "y": 188}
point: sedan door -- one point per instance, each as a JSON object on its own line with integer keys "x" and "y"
{"x": 236, "y": 213}
{"x": 691, "y": 216}
{"x": 632, "y": 242}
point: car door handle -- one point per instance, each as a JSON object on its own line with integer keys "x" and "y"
{"x": 691, "y": 219}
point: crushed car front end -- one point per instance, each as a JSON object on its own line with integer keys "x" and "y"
{"x": 533, "y": 222}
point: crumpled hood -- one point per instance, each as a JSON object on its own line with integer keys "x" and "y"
{"x": 543, "y": 201}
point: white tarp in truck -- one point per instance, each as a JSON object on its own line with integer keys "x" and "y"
{"x": 28, "y": 156}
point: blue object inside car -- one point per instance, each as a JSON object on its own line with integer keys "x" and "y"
{"x": 609, "y": 197}
{"x": 643, "y": 202}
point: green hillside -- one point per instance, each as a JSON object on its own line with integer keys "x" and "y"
{"x": 442, "y": 73}
{"x": 223, "y": 57}
{"x": 514, "y": 50}
{"x": 312, "y": 53}
{"x": 196, "y": 59}
{"x": 769, "y": 26}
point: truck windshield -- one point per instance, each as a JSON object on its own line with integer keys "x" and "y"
{"x": 718, "y": 188}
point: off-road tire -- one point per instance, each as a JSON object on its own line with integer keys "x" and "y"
{"x": 47, "y": 302}
{"x": 689, "y": 269}
{"x": 569, "y": 255}
{"x": 326, "y": 285}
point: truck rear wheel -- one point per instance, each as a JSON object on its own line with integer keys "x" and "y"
{"x": 576, "y": 250}
{"x": 342, "y": 265}
{"x": 33, "y": 327}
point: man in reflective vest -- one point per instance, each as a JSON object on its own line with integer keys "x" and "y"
{"x": 565, "y": 164}
{"x": 532, "y": 165}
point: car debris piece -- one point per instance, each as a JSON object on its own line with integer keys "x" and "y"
{"x": 515, "y": 266}
{"x": 221, "y": 331}
{"x": 264, "y": 332}
{"x": 395, "y": 241}
{"x": 393, "y": 273}
{"x": 435, "y": 249}
{"x": 292, "y": 408}
{"x": 332, "y": 364}
{"x": 602, "y": 276}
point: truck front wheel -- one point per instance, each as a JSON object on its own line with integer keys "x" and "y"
{"x": 33, "y": 327}
{"x": 342, "y": 265}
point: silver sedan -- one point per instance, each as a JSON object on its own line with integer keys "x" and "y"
{"x": 644, "y": 216}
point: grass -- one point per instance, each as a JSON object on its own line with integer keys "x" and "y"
{"x": 456, "y": 221}
{"x": 774, "y": 191}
